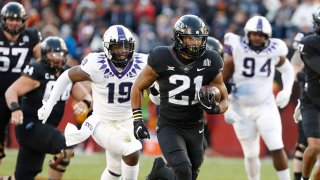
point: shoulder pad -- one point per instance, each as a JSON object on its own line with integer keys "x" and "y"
{"x": 278, "y": 47}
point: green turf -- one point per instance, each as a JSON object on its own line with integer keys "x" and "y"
{"x": 90, "y": 167}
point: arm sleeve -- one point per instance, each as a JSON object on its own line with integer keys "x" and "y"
{"x": 59, "y": 87}
{"x": 287, "y": 75}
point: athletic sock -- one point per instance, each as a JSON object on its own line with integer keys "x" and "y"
{"x": 129, "y": 172}
{"x": 106, "y": 175}
{"x": 284, "y": 174}
{"x": 297, "y": 175}
{"x": 252, "y": 166}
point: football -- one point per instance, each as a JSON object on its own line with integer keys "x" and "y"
{"x": 213, "y": 93}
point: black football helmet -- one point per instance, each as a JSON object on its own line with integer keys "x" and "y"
{"x": 194, "y": 27}
{"x": 54, "y": 52}
{"x": 13, "y": 10}
{"x": 316, "y": 21}
{"x": 214, "y": 44}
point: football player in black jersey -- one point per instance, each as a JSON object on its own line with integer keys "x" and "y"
{"x": 213, "y": 44}
{"x": 154, "y": 95}
{"x": 18, "y": 45}
{"x": 302, "y": 143}
{"x": 37, "y": 139}
{"x": 310, "y": 101}
{"x": 181, "y": 70}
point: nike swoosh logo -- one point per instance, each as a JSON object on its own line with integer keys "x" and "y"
{"x": 200, "y": 131}
{"x": 202, "y": 103}
{"x": 200, "y": 69}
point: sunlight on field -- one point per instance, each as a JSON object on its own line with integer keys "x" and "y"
{"x": 90, "y": 167}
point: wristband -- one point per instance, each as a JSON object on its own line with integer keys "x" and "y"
{"x": 14, "y": 106}
{"x": 137, "y": 114}
{"x": 88, "y": 103}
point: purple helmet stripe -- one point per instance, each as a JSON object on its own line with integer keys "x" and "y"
{"x": 259, "y": 25}
{"x": 121, "y": 34}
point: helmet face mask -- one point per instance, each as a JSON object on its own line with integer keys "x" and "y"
{"x": 190, "y": 27}
{"x": 257, "y": 32}
{"x": 54, "y": 52}
{"x": 118, "y": 44}
{"x": 13, "y": 17}
{"x": 56, "y": 59}
{"x": 257, "y": 39}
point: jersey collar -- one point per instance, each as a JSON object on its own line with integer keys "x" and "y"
{"x": 116, "y": 72}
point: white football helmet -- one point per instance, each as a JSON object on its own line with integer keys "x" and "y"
{"x": 118, "y": 45}
{"x": 258, "y": 24}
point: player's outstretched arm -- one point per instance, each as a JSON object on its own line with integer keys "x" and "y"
{"x": 287, "y": 77}
{"x": 144, "y": 81}
{"x": 75, "y": 74}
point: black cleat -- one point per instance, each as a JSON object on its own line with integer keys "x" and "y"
{"x": 157, "y": 164}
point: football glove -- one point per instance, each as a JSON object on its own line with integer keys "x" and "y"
{"x": 297, "y": 113}
{"x": 283, "y": 98}
{"x": 45, "y": 111}
{"x": 231, "y": 116}
{"x": 207, "y": 100}
{"x": 139, "y": 128}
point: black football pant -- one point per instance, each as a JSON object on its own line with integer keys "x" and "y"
{"x": 35, "y": 141}
{"x": 183, "y": 150}
{"x": 310, "y": 117}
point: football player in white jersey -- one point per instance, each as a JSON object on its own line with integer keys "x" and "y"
{"x": 112, "y": 74}
{"x": 251, "y": 61}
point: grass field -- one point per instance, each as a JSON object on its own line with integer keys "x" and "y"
{"x": 90, "y": 167}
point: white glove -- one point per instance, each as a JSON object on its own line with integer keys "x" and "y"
{"x": 231, "y": 116}
{"x": 45, "y": 111}
{"x": 283, "y": 98}
{"x": 297, "y": 113}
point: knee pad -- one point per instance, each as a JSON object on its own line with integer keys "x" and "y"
{"x": 299, "y": 148}
{"x": 183, "y": 171}
{"x": 61, "y": 161}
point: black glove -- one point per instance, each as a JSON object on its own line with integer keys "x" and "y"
{"x": 207, "y": 99}
{"x": 140, "y": 130}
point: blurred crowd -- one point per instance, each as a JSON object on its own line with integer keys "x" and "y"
{"x": 82, "y": 22}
